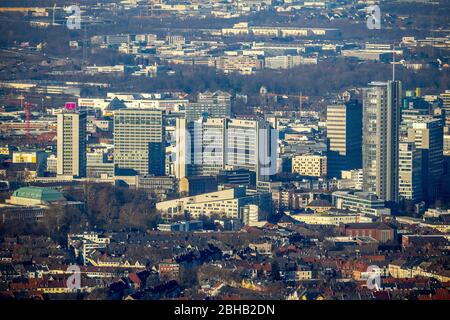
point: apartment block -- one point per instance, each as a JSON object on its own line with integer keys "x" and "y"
{"x": 310, "y": 165}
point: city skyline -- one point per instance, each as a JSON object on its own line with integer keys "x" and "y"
{"x": 227, "y": 157}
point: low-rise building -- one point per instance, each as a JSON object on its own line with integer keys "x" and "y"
{"x": 363, "y": 202}
{"x": 194, "y": 185}
{"x": 30, "y": 196}
{"x": 169, "y": 270}
{"x": 161, "y": 186}
{"x": 225, "y": 203}
{"x": 378, "y": 231}
{"x": 86, "y": 243}
{"x": 251, "y": 215}
{"x": 417, "y": 268}
{"x": 327, "y": 219}
{"x": 182, "y": 226}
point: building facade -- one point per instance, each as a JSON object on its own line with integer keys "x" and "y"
{"x": 410, "y": 172}
{"x": 362, "y": 202}
{"x": 310, "y": 165}
{"x": 381, "y": 116}
{"x": 139, "y": 141}
{"x": 225, "y": 203}
{"x": 344, "y": 137}
{"x": 209, "y": 145}
{"x": 427, "y": 134}
{"x": 71, "y": 144}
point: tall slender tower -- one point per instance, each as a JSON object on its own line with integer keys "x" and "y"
{"x": 71, "y": 145}
{"x": 381, "y": 116}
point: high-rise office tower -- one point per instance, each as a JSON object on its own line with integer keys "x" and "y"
{"x": 182, "y": 148}
{"x": 200, "y": 146}
{"x": 208, "y": 145}
{"x": 410, "y": 172}
{"x": 427, "y": 133}
{"x": 71, "y": 145}
{"x": 213, "y": 145}
{"x": 344, "y": 137}
{"x": 381, "y": 116}
{"x": 445, "y": 96}
{"x": 139, "y": 141}
{"x": 252, "y": 144}
{"x": 413, "y": 107}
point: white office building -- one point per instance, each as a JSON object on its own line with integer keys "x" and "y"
{"x": 362, "y": 202}
{"x": 139, "y": 141}
{"x": 71, "y": 145}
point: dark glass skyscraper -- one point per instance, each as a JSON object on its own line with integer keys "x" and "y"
{"x": 344, "y": 137}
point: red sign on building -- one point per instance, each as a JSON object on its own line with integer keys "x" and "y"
{"x": 71, "y": 106}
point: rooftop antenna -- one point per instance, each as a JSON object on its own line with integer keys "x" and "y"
{"x": 301, "y": 102}
{"x": 53, "y": 21}
{"x": 393, "y": 62}
{"x": 85, "y": 50}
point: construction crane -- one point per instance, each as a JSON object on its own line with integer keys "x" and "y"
{"x": 26, "y": 106}
{"x": 299, "y": 97}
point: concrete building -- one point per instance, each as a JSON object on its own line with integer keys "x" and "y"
{"x": 243, "y": 177}
{"x": 371, "y": 55}
{"x": 410, "y": 172}
{"x": 416, "y": 268}
{"x": 200, "y": 146}
{"x": 194, "y": 185}
{"x": 161, "y": 186}
{"x": 353, "y": 179}
{"x": 344, "y": 137}
{"x": 213, "y": 104}
{"x": 326, "y": 219}
{"x": 139, "y": 141}
{"x": 242, "y": 64}
{"x": 10, "y": 212}
{"x": 362, "y": 202}
{"x": 381, "y": 116}
{"x": 445, "y": 96}
{"x": 196, "y": 110}
{"x": 310, "y": 165}
{"x": 226, "y": 203}
{"x": 97, "y": 166}
{"x": 447, "y": 144}
{"x": 86, "y": 243}
{"x": 71, "y": 145}
{"x": 252, "y": 145}
{"x": 181, "y": 226}
{"x": 52, "y": 164}
{"x": 36, "y": 157}
{"x": 287, "y": 62}
{"x": 209, "y": 157}
{"x": 183, "y": 145}
{"x": 251, "y": 215}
